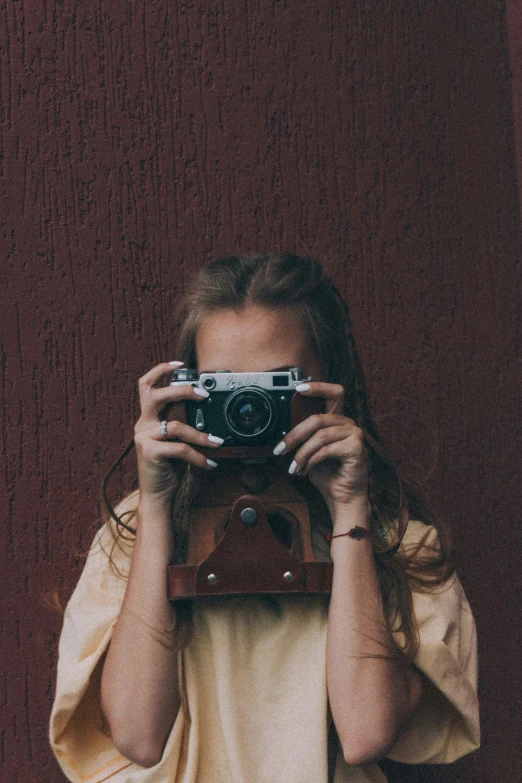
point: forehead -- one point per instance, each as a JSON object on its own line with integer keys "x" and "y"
{"x": 251, "y": 339}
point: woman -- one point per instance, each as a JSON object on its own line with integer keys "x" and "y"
{"x": 246, "y": 689}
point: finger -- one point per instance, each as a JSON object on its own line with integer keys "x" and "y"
{"x": 156, "y": 398}
{"x": 177, "y": 430}
{"x": 333, "y": 393}
{"x": 157, "y": 451}
{"x": 158, "y": 372}
{"x": 306, "y": 429}
{"x": 340, "y": 450}
{"x": 148, "y": 381}
{"x": 319, "y": 440}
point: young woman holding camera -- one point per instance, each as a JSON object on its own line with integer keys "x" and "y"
{"x": 250, "y": 689}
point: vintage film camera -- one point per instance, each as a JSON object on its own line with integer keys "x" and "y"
{"x": 248, "y": 409}
{"x": 249, "y": 524}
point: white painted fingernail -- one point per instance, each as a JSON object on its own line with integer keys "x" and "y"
{"x": 176, "y": 364}
{"x": 279, "y": 448}
{"x": 303, "y": 387}
{"x": 201, "y": 392}
{"x": 211, "y": 463}
{"x": 215, "y": 439}
{"x": 292, "y": 467}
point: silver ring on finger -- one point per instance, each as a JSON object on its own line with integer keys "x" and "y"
{"x": 163, "y": 425}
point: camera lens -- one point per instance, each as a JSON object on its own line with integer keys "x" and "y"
{"x": 249, "y": 412}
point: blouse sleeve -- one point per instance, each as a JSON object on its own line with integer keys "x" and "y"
{"x": 79, "y": 735}
{"x": 445, "y": 725}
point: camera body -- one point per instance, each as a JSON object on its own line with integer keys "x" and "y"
{"x": 247, "y": 408}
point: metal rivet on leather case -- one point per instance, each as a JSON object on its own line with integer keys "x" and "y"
{"x": 249, "y": 516}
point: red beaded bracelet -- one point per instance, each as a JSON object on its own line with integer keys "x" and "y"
{"x": 357, "y": 532}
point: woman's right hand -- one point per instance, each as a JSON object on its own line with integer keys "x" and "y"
{"x": 156, "y": 475}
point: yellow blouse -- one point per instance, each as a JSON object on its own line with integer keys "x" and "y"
{"x": 255, "y": 675}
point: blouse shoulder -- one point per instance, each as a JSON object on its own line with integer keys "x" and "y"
{"x": 420, "y": 536}
{"x": 78, "y": 733}
{"x": 446, "y": 723}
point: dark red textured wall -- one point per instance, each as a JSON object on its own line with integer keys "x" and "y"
{"x": 141, "y": 139}
{"x": 514, "y": 27}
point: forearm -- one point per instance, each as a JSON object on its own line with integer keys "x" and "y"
{"x": 139, "y": 689}
{"x": 372, "y": 691}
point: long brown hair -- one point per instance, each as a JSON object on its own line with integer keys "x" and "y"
{"x": 286, "y": 280}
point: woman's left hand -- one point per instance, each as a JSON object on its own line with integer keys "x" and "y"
{"x": 330, "y": 449}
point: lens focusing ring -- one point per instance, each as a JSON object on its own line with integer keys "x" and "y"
{"x": 265, "y": 413}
